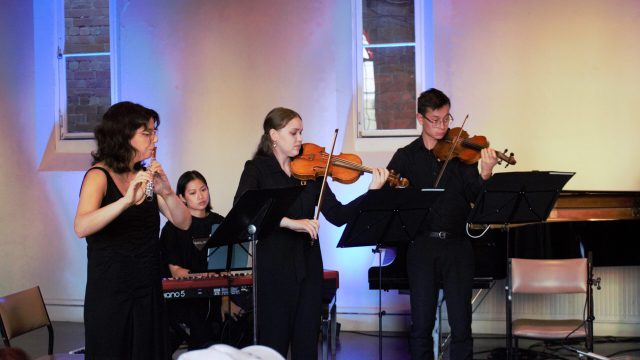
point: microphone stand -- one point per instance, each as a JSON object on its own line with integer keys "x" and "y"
{"x": 251, "y": 229}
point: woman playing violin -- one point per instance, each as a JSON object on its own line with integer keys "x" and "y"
{"x": 441, "y": 255}
{"x": 290, "y": 264}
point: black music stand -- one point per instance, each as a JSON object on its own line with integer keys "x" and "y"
{"x": 517, "y": 198}
{"x": 388, "y": 217}
{"x": 256, "y": 214}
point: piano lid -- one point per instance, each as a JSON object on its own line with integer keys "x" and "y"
{"x": 596, "y": 206}
{"x": 574, "y": 205}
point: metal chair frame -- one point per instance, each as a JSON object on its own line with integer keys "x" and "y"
{"x": 541, "y": 285}
{"x": 23, "y": 312}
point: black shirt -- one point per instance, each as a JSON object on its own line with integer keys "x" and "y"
{"x": 264, "y": 172}
{"x": 462, "y": 184}
{"x": 290, "y": 250}
{"x": 186, "y": 248}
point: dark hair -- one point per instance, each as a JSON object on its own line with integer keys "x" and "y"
{"x": 186, "y": 178}
{"x": 115, "y": 131}
{"x": 276, "y": 119}
{"x": 432, "y": 99}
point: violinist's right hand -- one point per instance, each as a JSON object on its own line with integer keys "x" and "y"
{"x": 135, "y": 193}
{"x": 301, "y": 225}
{"x": 378, "y": 178}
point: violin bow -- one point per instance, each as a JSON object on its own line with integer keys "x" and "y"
{"x": 435, "y": 185}
{"x": 324, "y": 178}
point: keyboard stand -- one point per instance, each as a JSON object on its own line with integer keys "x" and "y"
{"x": 328, "y": 325}
{"x": 329, "y": 330}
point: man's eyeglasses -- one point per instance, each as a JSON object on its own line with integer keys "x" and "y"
{"x": 440, "y": 122}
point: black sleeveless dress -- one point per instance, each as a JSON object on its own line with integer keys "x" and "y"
{"x": 123, "y": 309}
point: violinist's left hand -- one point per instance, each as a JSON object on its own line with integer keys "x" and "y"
{"x": 488, "y": 161}
{"x": 378, "y": 178}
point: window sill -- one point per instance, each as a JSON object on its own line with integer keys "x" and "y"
{"x": 382, "y": 144}
{"x": 66, "y": 155}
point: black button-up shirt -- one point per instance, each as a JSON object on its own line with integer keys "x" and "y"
{"x": 462, "y": 184}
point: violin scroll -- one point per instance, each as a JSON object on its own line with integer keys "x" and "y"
{"x": 509, "y": 160}
{"x": 396, "y": 181}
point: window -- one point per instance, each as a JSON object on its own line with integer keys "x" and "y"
{"x": 86, "y": 65}
{"x": 390, "y": 44}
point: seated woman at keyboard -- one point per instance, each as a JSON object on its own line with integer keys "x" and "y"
{"x": 198, "y": 321}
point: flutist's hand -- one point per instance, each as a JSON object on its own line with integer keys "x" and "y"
{"x": 161, "y": 185}
{"x": 135, "y": 192}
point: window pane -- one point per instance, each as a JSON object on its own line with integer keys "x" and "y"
{"x": 86, "y": 25}
{"x": 386, "y": 22}
{"x": 389, "y": 88}
{"x": 88, "y": 91}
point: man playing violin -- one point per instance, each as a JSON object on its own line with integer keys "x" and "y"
{"x": 441, "y": 256}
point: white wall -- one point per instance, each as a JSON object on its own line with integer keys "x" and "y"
{"x": 554, "y": 82}
{"x": 557, "y": 82}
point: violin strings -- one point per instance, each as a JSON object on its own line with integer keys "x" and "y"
{"x": 472, "y": 145}
{"x": 347, "y": 163}
{"x": 351, "y": 164}
{"x": 355, "y": 166}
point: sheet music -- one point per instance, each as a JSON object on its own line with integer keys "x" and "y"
{"x": 239, "y": 257}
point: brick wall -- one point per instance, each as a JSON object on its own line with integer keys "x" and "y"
{"x": 88, "y": 91}
{"x": 86, "y": 24}
{"x": 394, "y": 67}
{"x": 88, "y": 77}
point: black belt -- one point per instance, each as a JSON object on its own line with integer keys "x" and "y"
{"x": 440, "y": 234}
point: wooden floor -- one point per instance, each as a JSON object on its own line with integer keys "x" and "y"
{"x": 351, "y": 345}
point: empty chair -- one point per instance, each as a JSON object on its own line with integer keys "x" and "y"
{"x": 23, "y": 312}
{"x": 566, "y": 276}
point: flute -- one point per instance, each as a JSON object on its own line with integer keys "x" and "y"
{"x": 148, "y": 190}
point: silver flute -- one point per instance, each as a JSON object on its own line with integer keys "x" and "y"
{"x": 148, "y": 190}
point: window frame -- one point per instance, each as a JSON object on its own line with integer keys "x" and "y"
{"x": 62, "y": 129}
{"x": 423, "y": 48}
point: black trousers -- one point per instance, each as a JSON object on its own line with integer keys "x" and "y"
{"x": 289, "y": 307}
{"x": 432, "y": 264}
{"x": 124, "y": 314}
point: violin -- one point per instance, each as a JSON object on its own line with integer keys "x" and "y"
{"x": 466, "y": 148}
{"x": 345, "y": 168}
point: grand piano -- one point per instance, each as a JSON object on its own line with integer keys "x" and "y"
{"x": 580, "y": 221}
